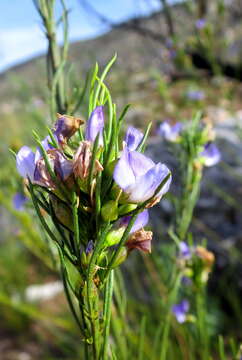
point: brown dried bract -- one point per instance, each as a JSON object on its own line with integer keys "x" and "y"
{"x": 140, "y": 240}
{"x": 66, "y": 126}
{"x": 207, "y": 256}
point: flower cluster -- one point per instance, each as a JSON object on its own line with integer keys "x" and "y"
{"x": 196, "y": 263}
{"x": 109, "y": 186}
{"x": 209, "y": 154}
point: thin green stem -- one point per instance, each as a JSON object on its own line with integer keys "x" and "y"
{"x": 92, "y": 295}
{"x": 107, "y": 313}
{"x": 167, "y": 324}
{"x": 201, "y": 323}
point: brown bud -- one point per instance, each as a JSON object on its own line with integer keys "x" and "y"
{"x": 66, "y": 126}
{"x": 140, "y": 240}
{"x": 82, "y": 161}
{"x": 42, "y": 176}
{"x": 206, "y": 256}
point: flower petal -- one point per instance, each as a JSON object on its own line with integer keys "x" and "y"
{"x": 139, "y": 163}
{"x": 133, "y": 138}
{"x": 180, "y": 310}
{"x": 63, "y": 166}
{"x": 95, "y": 125}
{"x": 211, "y": 154}
{"x": 145, "y": 185}
{"x": 170, "y": 132}
{"x": 25, "y": 162}
{"x": 19, "y": 200}
{"x": 185, "y": 251}
{"x": 123, "y": 174}
{"x": 166, "y": 186}
{"x": 140, "y": 222}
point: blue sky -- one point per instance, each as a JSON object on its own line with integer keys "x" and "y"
{"x": 21, "y": 36}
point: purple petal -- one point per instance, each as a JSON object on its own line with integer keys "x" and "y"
{"x": 139, "y": 163}
{"x": 211, "y": 154}
{"x": 186, "y": 281}
{"x": 63, "y": 166}
{"x": 185, "y": 251}
{"x": 180, "y": 310}
{"x": 200, "y": 23}
{"x": 95, "y": 125}
{"x": 19, "y": 200}
{"x": 166, "y": 186}
{"x": 145, "y": 185}
{"x": 133, "y": 138}
{"x": 130, "y": 165}
{"x": 25, "y": 162}
{"x": 195, "y": 95}
{"x": 170, "y": 132}
{"x": 89, "y": 247}
{"x": 123, "y": 173}
{"x": 140, "y": 222}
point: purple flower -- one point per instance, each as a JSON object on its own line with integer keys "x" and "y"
{"x": 19, "y": 201}
{"x": 140, "y": 222}
{"x": 172, "y": 53}
{"x": 210, "y": 155}
{"x": 186, "y": 281}
{"x": 133, "y": 138}
{"x": 180, "y": 310}
{"x": 139, "y": 176}
{"x": 170, "y": 132}
{"x": 89, "y": 247}
{"x": 32, "y": 165}
{"x": 195, "y": 95}
{"x": 200, "y": 23}
{"x": 169, "y": 43}
{"x": 95, "y": 125}
{"x": 184, "y": 250}
{"x": 25, "y": 162}
{"x": 60, "y": 166}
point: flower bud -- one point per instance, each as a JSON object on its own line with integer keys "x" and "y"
{"x": 89, "y": 250}
{"x": 82, "y": 159}
{"x": 122, "y": 256}
{"x": 84, "y": 261}
{"x": 66, "y": 126}
{"x": 109, "y": 211}
{"x": 82, "y": 162}
{"x": 126, "y": 208}
{"x": 114, "y": 236}
{"x": 62, "y": 212}
{"x": 206, "y": 256}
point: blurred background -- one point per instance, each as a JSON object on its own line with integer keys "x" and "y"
{"x": 174, "y": 59}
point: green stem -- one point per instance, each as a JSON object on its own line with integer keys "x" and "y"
{"x": 201, "y": 322}
{"x": 92, "y": 299}
{"x": 107, "y": 313}
{"x": 166, "y": 330}
{"x": 188, "y": 201}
